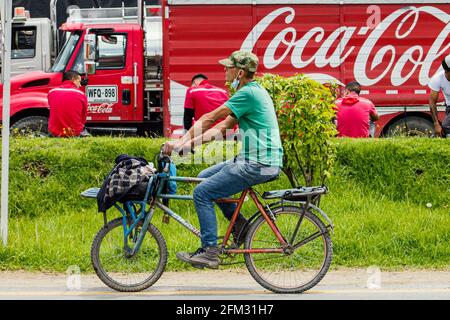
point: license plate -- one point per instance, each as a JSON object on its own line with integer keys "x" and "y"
{"x": 99, "y": 94}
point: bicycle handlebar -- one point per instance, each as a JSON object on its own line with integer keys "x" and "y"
{"x": 161, "y": 157}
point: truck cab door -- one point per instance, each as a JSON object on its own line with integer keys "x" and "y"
{"x": 24, "y": 56}
{"x": 111, "y": 90}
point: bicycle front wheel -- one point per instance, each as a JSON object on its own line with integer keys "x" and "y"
{"x": 117, "y": 269}
{"x": 301, "y": 268}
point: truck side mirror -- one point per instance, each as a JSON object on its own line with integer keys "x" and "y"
{"x": 90, "y": 53}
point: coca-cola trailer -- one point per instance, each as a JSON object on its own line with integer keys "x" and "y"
{"x": 144, "y": 58}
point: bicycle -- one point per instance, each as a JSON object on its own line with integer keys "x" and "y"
{"x": 287, "y": 248}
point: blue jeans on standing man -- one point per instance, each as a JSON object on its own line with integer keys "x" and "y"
{"x": 224, "y": 180}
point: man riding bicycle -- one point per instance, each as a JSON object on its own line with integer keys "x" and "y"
{"x": 260, "y": 159}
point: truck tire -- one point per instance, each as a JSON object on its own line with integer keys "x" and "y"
{"x": 36, "y": 126}
{"x": 410, "y": 126}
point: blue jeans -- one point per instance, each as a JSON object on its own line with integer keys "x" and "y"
{"x": 224, "y": 180}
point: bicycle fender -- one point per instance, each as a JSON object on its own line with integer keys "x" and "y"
{"x": 295, "y": 203}
{"x": 323, "y": 214}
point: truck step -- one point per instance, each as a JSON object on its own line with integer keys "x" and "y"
{"x": 112, "y": 130}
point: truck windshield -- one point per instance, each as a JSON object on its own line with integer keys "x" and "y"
{"x": 65, "y": 54}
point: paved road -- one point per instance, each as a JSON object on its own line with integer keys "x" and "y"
{"x": 361, "y": 284}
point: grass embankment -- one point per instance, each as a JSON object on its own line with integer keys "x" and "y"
{"x": 377, "y": 201}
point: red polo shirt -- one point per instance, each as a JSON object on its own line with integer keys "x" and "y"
{"x": 353, "y": 115}
{"x": 204, "y": 98}
{"x": 68, "y": 110}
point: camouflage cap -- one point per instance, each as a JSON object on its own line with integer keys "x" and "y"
{"x": 241, "y": 59}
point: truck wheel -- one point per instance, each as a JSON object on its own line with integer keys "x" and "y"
{"x": 410, "y": 126}
{"x": 36, "y": 126}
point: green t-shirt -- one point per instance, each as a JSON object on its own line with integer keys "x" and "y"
{"x": 253, "y": 108}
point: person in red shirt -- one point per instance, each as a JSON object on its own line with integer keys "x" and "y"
{"x": 68, "y": 108}
{"x": 201, "y": 98}
{"x": 353, "y": 113}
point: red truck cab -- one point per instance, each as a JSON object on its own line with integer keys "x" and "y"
{"x": 115, "y": 92}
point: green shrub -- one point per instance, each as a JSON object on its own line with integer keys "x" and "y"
{"x": 305, "y": 112}
{"x": 414, "y": 170}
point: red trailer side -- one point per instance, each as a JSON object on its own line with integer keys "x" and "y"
{"x": 391, "y": 49}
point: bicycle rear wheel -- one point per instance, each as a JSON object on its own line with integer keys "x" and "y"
{"x": 289, "y": 272}
{"x": 121, "y": 272}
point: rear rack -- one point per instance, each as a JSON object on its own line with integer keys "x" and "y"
{"x": 296, "y": 194}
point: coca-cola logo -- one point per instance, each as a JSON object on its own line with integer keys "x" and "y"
{"x": 393, "y": 60}
{"x": 101, "y": 108}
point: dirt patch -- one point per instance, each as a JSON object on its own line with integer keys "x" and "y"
{"x": 37, "y": 169}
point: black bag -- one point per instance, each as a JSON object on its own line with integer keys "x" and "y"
{"x": 126, "y": 191}
{"x": 137, "y": 192}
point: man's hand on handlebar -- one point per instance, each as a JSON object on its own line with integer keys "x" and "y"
{"x": 170, "y": 146}
{"x": 175, "y": 146}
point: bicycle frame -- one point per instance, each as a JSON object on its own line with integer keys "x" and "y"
{"x": 158, "y": 194}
